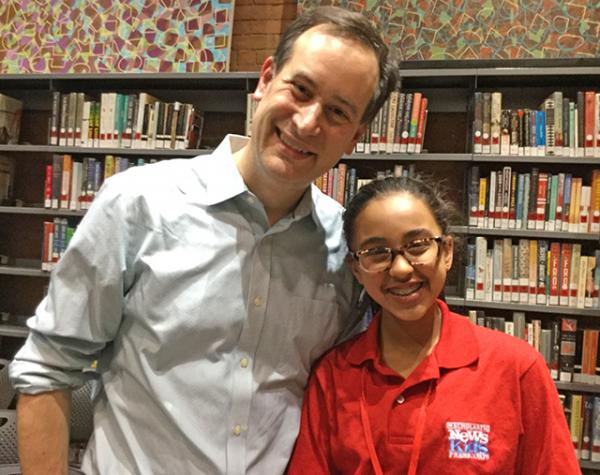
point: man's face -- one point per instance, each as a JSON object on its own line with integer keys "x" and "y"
{"x": 310, "y": 110}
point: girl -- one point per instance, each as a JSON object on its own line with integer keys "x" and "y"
{"x": 423, "y": 390}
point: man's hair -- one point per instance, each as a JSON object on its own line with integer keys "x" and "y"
{"x": 351, "y": 25}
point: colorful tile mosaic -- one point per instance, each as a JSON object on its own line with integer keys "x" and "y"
{"x": 96, "y": 36}
{"x": 483, "y": 29}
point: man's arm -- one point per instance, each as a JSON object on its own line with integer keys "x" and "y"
{"x": 43, "y": 432}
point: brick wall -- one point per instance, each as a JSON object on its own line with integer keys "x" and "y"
{"x": 257, "y": 26}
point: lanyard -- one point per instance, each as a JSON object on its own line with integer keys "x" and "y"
{"x": 414, "y": 455}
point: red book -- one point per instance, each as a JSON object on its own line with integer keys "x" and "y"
{"x": 421, "y": 125}
{"x": 341, "y": 183}
{"x": 565, "y": 265}
{"x": 48, "y": 187}
{"x": 540, "y": 203}
{"x": 589, "y": 122}
{"x": 554, "y": 273}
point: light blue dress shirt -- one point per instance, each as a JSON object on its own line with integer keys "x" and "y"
{"x": 204, "y": 320}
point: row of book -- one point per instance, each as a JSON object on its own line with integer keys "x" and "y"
{"x": 341, "y": 182}
{"x": 57, "y": 235}
{"x": 533, "y": 272}
{"x": 583, "y": 418}
{"x": 123, "y": 121}
{"x": 399, "y": 127}
{"x": 570, "y": 352}
{"x": 537, "y": 200}
{"x": 73, "y": 184}
{"x": 11, "y": 111}
{"x": 7, "y": 178}
{"x": 560, "y": 126}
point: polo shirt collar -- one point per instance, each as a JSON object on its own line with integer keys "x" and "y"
{"x": 456, "y": 348}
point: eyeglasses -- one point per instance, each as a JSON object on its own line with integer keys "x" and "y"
{"x": 417, "y": 253}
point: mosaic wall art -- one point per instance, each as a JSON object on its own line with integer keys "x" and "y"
{"x": 95, "y": 36}
{"x": 484, "y": 29}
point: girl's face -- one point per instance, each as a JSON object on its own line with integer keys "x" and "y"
{"x": 404, "y": 292}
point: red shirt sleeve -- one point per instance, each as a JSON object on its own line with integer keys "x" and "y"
{"x": 545, "y": 445}
{"x": 312, "y": 452}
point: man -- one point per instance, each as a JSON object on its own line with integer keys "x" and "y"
{"x": 206, "y": 288}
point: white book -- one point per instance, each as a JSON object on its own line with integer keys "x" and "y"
{"x": 574, "y": 274}
{"x": 105, "y": 126}
{"x": 584, "y": 209}
{"x": 76, "y": 181}
{"x": 581, "y": 282}
{"x": 509, "y": 328}
{"x": 113, "y": 140}
{"x": 491, "y": 201}
{"x": 507, "y": 262}
{"x": 480, "y": 263}
{"x": 85, "y": 124}
{"x": 489, "y": 275}
{"x": 497, "y": 271}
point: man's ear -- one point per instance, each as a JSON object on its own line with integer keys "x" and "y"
{"x": 448, "y": 252}
{"x": 357, "y": 136}
{"x": 267, "y": 73}
{"x": 353, "y": 264}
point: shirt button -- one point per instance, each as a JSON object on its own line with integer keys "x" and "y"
{"x": 244, "y": 362}
{"x": 257, "y": 301}
{"x": 400, "y": 399}
{"x": 237, "y": 430}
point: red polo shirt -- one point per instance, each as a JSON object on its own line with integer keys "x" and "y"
{"x": 493, "y": 409}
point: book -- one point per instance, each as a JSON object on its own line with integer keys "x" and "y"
{"x": 486, "y": 124}
{"x": 414, "y": 122}
{"x": 7, "y": 178}
{"x": 478, "y": 123}
{"x": 11, "y": 110}
{"x": 495, "y": 122}
{"x": 568, "y": 338}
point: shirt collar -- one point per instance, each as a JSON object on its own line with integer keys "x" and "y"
{"x": 223, "y": 181}
{"x": 219, "y": 172}
{"x": 456, "y": 348}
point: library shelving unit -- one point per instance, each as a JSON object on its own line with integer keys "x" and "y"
{"x": 221, "y": 97}
{"x": 448, "y": 155}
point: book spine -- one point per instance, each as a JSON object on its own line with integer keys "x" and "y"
{"x": 568, "y": 339}
{"x": 554, "y": 273}
{"x": 55, "y": 118}
{"x": 487, "y": 123}
{"x": 48, "y": 187}
{"x": 589, "y": 123}
{"x": 421, "y": 126}
{"x": 533, "y": 268}
{"x": 541, "y": 201}
{"x": 542, "y": 261}
{"x": 478, "y": 123}
{"x": 497, "y": 270}
{"x": 392, "y": 116}
{"x": 414, "y": 122}
{"x": 496, "y": 119}
{"x": 565, "y": 265}
{"x": 480, "y": 262}
{"x": 507, "y": 262}
{"x": 406, "y": 122}
{"x": 523, "y": 266}
{"x": 505, "y": 132}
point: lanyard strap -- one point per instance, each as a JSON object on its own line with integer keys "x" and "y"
{"x": 418, "y": 442}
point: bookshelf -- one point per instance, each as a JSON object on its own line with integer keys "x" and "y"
{"x": 221, "y": 97}
{"x": 447, "y": 154}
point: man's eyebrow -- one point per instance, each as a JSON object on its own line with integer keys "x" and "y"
{"x": 347, "y": 102}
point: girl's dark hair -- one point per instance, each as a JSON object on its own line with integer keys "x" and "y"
{"x": 346, "y": 24}
{"x": 435, "y": 197}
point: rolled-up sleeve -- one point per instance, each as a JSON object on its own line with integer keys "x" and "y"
{"x": 83, "y": 309}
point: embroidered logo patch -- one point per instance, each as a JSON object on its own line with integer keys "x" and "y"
{"x": 468, "y": 440}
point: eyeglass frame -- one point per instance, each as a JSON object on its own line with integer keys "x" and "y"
{"x": 398, "y": 251}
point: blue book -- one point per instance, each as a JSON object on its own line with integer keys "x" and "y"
{"x": 519, "y": 204}
{"x": 541, "y": 130}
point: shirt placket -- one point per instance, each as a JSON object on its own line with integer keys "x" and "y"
{"x": 242, "y": 379}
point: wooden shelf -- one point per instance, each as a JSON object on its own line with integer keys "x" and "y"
{"x": 23, "y": 271}
{"x": 554, "y": 309}
{"x": 34, "y": 210}
{"x": 530, "y": 233}
{"x": 158, "y": 152}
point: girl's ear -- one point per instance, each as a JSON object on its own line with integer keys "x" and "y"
{"x": 448, "y": 252}
{"x": 353, "y": 264}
